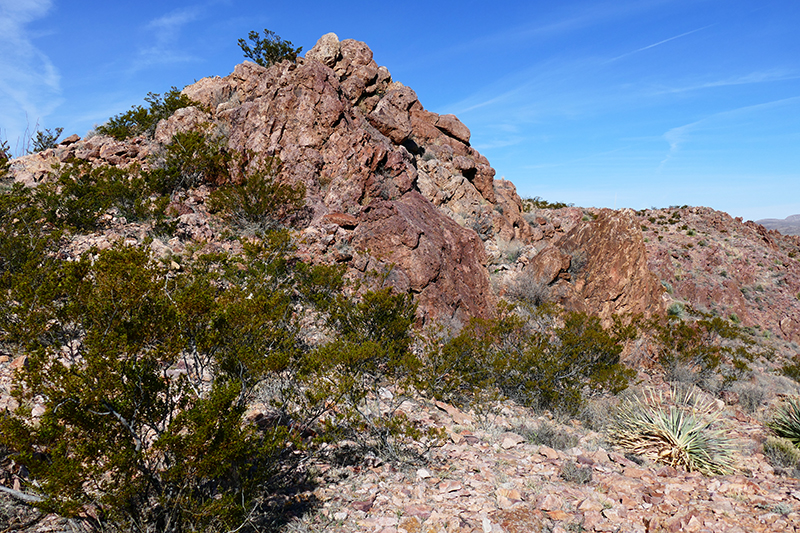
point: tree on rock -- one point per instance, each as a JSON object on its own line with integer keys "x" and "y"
{"x": 269, "y": 50}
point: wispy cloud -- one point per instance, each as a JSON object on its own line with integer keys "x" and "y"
{"x": 659, "y": 43}
{"x": 163, "y": 35}
{"x": 30, "y": 85}
{"x": 679, "y": 136}
{"x": 768, "y": 76}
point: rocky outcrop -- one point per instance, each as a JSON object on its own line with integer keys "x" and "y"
{"x": 364, "y": 148}
{"x": 600, "y": 267}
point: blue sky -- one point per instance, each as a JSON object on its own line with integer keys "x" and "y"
{"x": 599, "y": 103}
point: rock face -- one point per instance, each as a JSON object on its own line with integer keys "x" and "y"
{"x": 365, "y": 148}
{"x": 600, "y": 266}
{"x": 390, "y": 185}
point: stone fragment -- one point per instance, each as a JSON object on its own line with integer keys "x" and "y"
{"x": 511, "y": 440}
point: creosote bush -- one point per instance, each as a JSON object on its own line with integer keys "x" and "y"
{"x": 548, "y": 360}
{"x": 684, "y": 434}
{"x": 152, "y": 450}
{"x": 48, "y": 138}
{"x": 146, "y": 374}
{"x": 259, "y": 202}
{"x": 143, "y": 120}
{"x": 709, "y": 352}
{"x": 268, "y": 50}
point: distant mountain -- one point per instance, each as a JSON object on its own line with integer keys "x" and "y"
{"x": 788, "y": 226}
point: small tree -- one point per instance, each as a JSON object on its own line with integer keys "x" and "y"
{"x": 46, "y": 139}
{"x": 269, "y": 50}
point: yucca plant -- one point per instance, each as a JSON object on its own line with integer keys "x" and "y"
{"x": 786, "y": 422}
{"x": 686, "y": 434}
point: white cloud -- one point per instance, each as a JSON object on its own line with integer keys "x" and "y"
{"x": 163, "y": 46}
{"x": 30, "y": 87}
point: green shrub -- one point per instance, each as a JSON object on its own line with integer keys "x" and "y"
{"x": 82, "y": 193}
{"x": 269, "y": 50}
{"x": 538, "y": 203}
{"x": 153, "y": 450}
{"x": 259, "y": 202}
{"x": 5, "y": 158}
{"x": 117, "y": 433}
{"x": 549, "y": 367}
{"x": 684, "y": 435}
{"x": 676, "y": 309}
{"x": 191, "y": 158}
{"x": 143, "y": 121}
{"x": 786, "y": 422}
{"x": 46, "y": 139}
{"x": 703, "y": 351}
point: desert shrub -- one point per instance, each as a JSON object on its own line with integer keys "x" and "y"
{"x": 143, "y": 120}
{"x": 538, "y": 203}
{"x": 528, "y": 288}
{"x": 577, "y": 262}
{"x": 42, "y": 140}
{"x": 260, "y": 201}
{"x": 191, "y": 158}
{"x": 5, "y": 157}
{"x": 550, "y": 435}
{"x": 573, "y": 473}
{"x": 751, "y": 396}
{"x": 686, "y": 434}
{"x": 676, "y": 309}
{"x": 268, "y": 50}
{"x": 150, "y": 448}
{"x": 82, "y": 193}
{"x": 553, "y": 367}
{"x": 709, "y": 352}
{"x": 792, "y": 369}
{"x": 781, "y": 453}
{"x": 371, "y": 351}
{"x": 24, "y": 240}
{"x": 786, "y": 421}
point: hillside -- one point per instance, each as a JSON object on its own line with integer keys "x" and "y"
{"x": 395, "y": 198}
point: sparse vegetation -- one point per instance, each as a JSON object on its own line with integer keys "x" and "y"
{"x": 5, "y": 157}
{"x": 260, "y": 202}
{"x": 685, "y": 434}
{"x": 573, "y": 473}
{"x": 529, "y": 289}
{"x": 538, "y": 203}
{"x": 552, "y": 360}
{"x": 46, "y": 139}
{"x": 783, "y": 454}
{"x": 143, "y": 121}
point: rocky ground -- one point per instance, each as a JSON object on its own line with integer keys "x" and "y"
{"x": 507, "y": 469}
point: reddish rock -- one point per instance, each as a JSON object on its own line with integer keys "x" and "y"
{"x": 615, "y": 279}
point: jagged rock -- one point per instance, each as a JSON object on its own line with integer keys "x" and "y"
{"x": 432, "y": 256}
{"x": 614, "y": 278}
{"x": 326, "y": 51}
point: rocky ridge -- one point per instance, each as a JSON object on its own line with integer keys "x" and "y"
{"x": 390, "y": 186}
{"x": 393, "y": 185}
{"x": 787, "y": 226}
